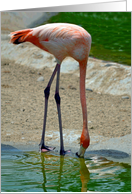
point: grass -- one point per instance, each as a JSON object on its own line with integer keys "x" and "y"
{"x": 110, "y": 31}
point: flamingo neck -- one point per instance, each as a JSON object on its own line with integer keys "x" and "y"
{"x": 83, "y": 67}
{"x": 85, "y": 139}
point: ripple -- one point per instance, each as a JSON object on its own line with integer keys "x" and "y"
{"x": 36, "y": 172}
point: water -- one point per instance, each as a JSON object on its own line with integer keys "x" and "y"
{"x": 32, "y": 171}
{"x": 111, "y": 33}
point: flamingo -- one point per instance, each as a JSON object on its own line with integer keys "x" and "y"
{"x": 61, "y": 40}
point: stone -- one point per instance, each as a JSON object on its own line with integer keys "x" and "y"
{"x": 89, "y": 89}
{"x": 40, "y": 79}
{"x": 125, "y": 97}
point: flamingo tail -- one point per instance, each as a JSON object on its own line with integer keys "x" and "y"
{"x": 21, "y": 36}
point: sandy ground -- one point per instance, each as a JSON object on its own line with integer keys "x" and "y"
{"x": 22, "y": 106}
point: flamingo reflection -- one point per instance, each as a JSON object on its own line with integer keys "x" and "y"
{"x": 62, "y": 172}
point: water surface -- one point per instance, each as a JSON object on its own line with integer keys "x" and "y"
{"x": 110, "y": 31}
{"x": 48, "y": 172}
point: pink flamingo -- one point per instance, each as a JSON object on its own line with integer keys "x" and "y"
{"x": 61, "y": 40}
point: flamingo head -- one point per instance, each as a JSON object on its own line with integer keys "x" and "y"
{"x": 84, "y": 143}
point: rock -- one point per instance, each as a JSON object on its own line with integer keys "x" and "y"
{"x": 69, "y": 65}
{"x": 109, "y": 78}
{"x": 40, "y": 79}
{"x": 110, "y": 64}
{"x": 5, "y": 37}
{"x": 62, "y": 88}
{"x": 32, "y": 72}
{"x": 71, "y": 87}
{"x": 91, "y": 127}
{"x": 11, "y": 21}
{"x": 89, "y": 89}
{"x": 125, "y": 97}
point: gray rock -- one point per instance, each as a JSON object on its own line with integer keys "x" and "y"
{"x": 108, "y": 65}
{"x": 40, "y": 79}
{"x": 125, "y": 97}
{"x": 69, "y": 65}
{"x": 89, "y": 89}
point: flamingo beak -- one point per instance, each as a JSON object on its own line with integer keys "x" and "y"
{"x": 81, "y": 152}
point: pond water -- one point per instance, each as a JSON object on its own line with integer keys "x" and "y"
{"x": 31, "y": 171}
{"x": 110, "y": 31}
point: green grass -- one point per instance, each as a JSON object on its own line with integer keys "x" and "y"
{"x": 110, "y": 31}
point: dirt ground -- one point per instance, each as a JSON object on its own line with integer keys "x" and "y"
{"x": 22, "y": 106}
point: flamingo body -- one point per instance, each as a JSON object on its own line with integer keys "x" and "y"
{"x": 61, "y": 40}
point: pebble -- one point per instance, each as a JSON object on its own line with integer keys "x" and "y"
{"x": 40, "y": 79}
{"x": 71, "y": 87}
{"x": 91, "y": 127}
{"x": 6, "y": 63}
{"x": 89, "y": 89}
{"x": 125, "y": 97}
{"x": 23, "y": 109}
{"x": 62, "y": 88}
{"x": 31, "y": 71}
{"x": 108, "y": 65}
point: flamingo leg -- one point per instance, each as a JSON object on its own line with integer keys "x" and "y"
{"x": 45, "y": 148}
{"x": 58, "y": 100}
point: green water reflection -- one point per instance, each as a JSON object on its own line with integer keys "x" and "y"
{"x": 46, "y": 172}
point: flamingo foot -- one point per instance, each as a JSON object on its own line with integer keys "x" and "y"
{"x": 46, "y": 148}
{"x": 63, "y": 152}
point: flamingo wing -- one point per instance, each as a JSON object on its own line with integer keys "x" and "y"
{"x": 61, "y": 40}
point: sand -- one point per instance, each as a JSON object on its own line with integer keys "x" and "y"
{"x": 22, "y": 107}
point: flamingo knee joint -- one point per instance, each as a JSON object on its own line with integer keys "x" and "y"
{"x": 57, "y": 98}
